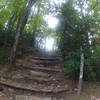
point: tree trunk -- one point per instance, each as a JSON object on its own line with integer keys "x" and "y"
{"x": 33, "y": 38}
{"x": 20, "y": 26}
{"x": 81, "y": 73}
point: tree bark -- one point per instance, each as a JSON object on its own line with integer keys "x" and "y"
{"x": 81, "y": 73}
{"x": 20, "y": 26}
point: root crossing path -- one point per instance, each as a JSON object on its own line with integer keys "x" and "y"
{"x": 36, "y": 78}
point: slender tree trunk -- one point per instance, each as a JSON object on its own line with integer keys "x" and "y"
{"x": 33, "y": 38}
{"x": 20, "y": 26}
{"x": 81, "y": 73}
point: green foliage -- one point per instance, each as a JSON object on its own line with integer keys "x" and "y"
{"x": 71, "y": 64}
{"x": 76, "y": 28}
{"x": 92, "y": 69}
{"x": 73, "y": 34}
{"x": 10, "y": 12}
{"x": 26, "y": 43}
{"x": 4, "y": 55}
{"x": 6, "y": 39}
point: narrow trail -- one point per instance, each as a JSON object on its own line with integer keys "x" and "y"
{"x": 40, "y": 75}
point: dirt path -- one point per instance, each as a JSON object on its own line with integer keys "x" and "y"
{"x": 41, "y": 78}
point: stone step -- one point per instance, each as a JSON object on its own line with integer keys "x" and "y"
{"x": 42, "y": 61}
{"x": 46, "y": 64}
{"x": 37, "y": 80}
{"x": 34, "y": 79}
{"x": 46, "y": 58}
{"x": 23, "y": 97}
{"x": 47, "y": 69}
{"x": 31, "y": 62}
{"x": 31, "y": 74}
{"x": 36, "y": 88}
{"x": 39, "y": 73}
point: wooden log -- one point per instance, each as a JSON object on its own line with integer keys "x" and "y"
{"x": 34, "y": 88}
{"x": 46, "y": 58}
{"x": 42, "y": 68}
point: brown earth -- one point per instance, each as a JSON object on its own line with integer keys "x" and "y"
{"x": 41, "y": 78}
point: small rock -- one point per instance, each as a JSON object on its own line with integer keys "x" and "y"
{"x": 58, "y": 86}
{"x": 54, "y": 79}
{"x": 2, "y": 79}
{"x": 17, "y": 76}
{"x": 10, "y": 98}
{"x": 1, "y": 94}
{"x": 54, "y": 98}
{"x": 76, "y": 89}
{"x": 35, "y": 83}
{"x": 62, "y": 99}
{"x": 11, "y": 90}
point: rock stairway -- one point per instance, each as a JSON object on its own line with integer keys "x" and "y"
{"x": 45, "y": 58}
{"x": 42, "y": 68}
{"x": 38, "y": 74}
